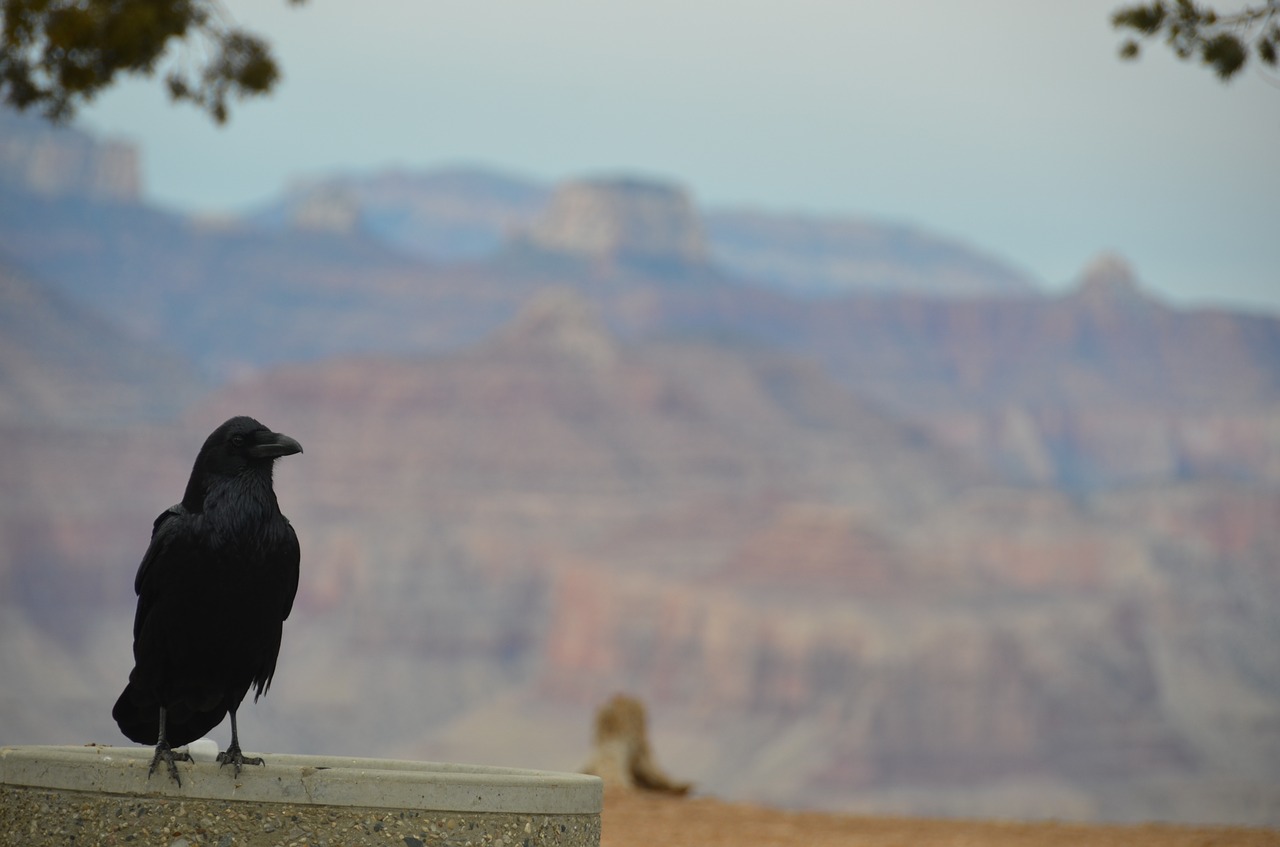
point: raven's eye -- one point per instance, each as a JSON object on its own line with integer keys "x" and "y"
{"x": 237, "y": 441}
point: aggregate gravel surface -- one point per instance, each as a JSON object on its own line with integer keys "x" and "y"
{"x": 40, "y": 818}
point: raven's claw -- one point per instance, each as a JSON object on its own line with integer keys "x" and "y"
{"x": 164, "y": 753}
{"x": 234, "y": 757}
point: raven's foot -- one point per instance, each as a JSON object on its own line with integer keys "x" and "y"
{"x": 164, "y": 753}
{"x": 232, "y": 756}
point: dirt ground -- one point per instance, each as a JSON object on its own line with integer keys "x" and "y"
{"x": 634, "y": 819}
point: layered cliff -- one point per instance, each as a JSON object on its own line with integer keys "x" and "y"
{"x": 50, "y": 161}
{"x": 629, "y": 221}
{"x": 61, "y": 365}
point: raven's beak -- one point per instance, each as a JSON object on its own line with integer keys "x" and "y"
{"x": 273, "y": 445}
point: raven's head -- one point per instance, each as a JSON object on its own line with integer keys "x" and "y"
{"x": 239, "y": 445}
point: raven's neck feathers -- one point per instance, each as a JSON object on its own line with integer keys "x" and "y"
{"x": 193, "y": 497}
{"x": 242, "y": 507}
{"x": 202, "y": 484}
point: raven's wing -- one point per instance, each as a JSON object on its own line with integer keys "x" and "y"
{"x": 171, "y": 530}
{"x": 162, "y": 576}
{"x": 284, "y": 562}
{"x": 290, "y": 556}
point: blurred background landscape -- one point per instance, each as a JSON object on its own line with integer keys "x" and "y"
{"x": 869, "y": 519}
{"x": 887, "y": 396}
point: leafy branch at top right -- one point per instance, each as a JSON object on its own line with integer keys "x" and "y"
{"x": 1222, "y": 40}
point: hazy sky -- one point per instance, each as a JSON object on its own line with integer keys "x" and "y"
{"x": 1007, "y": 124}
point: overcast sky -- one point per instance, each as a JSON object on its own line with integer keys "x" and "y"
{"x": 1007, "y": 124}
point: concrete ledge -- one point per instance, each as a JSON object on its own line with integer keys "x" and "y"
{"x": 103, "y": 795}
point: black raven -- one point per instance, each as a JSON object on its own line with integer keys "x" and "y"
{"x": 225, "y": 547}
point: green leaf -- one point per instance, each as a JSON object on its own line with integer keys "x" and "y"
{"x": 1225, "y": 53}
{"x": 1145, "y": 19}
{"x": 1267, "y": 51}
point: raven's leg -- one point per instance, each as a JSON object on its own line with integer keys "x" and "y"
{"x": 233, "y": 756}
{"x": 164, "y": 753}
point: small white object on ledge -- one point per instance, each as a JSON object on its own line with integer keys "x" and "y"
{"x": 203, "y": 750}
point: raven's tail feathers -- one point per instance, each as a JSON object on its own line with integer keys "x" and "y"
{"x": 138, "y": 717}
